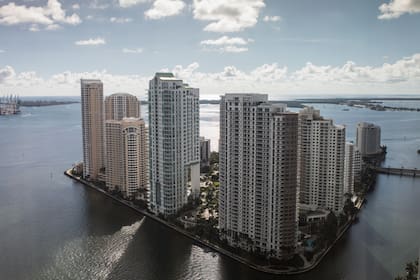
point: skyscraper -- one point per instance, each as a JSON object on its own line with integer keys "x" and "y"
{"x": 204, "y": 152}
{"x": 174, "y": 143}
{"x": 352, "y": 167}
{"x": 258, "y": 180}
{"x": 121, "y": 105}
{"x": 126, "y": 146}
{"x": 368, "y": 139}
{"x": 92, "y": 129}
{"x": 321, "y": 161}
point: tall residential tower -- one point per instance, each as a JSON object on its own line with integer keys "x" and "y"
{"x": 368, "y": 139}
{"x": 258, "y": 180}
{"x": 126, "y": 146}
{"x": 92, "y": 129}
{"x": 121, "y": 105}
{"x": 204, "y": 152}
{"x": 174, "y": 143}
{"x": 352, "y": 167}
{"x": 321, "y": 161}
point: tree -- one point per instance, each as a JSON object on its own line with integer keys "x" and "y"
{"x": 214, "y": 158}
{"x": 411, "y": 271}
{"x": 349, "y": 208}
{"x": 329, "y": 228}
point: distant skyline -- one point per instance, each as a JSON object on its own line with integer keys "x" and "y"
{"x": 283, "y": 48}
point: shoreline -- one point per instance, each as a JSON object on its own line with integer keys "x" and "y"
{"x": 196, "y": 239}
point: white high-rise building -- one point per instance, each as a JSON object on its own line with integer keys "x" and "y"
{"x": 321, "y": 161}
{"x": 93, "y": 129}
{"x": 368, "y": 139}
{"x": 126, "y": 164}
{"x": 258, "y": 165}
{"x": 352, "y": 167}
{"x": 357, "y": 165}
{"x": 174, "y": 143}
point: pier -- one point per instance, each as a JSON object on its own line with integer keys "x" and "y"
{"x": 412, "y": 172}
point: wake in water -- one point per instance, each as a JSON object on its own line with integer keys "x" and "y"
{"x": 93, "y": 257}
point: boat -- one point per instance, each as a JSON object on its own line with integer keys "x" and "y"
{"x": 418, "y": 151}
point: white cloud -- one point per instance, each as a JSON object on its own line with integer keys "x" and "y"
{"x": 2, "y": 51}
{"x": 135, "y": 51}
{"x": 227, "y": 44}
{"x": 91, "y": 42}
{"x": 225, "y": 40}
{"x": 53, "y": 27}
{"x": 227, "y": 16}
{"x": 75, "y": 7}
{"x": 164, "y": 8}
{"x": 120, "y": 20}
{"x": 51, "y": 14}
{"x": 99, "y": 5}
{"x": 129, "y": 3}
{"x": 34, "y": 28}
{"x": 233, "y": 49}
{"x": 6, "y": 73}
{"x": 396, "y": 8}
{"x": 402, "y": 77}
{"x": 271, "y": 18}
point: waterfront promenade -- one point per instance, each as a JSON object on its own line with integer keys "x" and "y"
{"x": 262, "y": 268}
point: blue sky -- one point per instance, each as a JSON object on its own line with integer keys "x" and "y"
{"x": 284, "y": 48}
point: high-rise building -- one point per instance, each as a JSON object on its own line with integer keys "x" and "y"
{"x": 321, "y": 161}
{"x": 204, "y": 152}
{"x": 348, "y": 168}
{"x": 258, "y": 179}
{"x": 126, "y": 161}
{"x": 126, "y": 145}
{"x": 368, "y": 139}
{"x": 92, "y": 129}
{"x": 352, "y": 167}
{"x": 174, "y": 143}
{"x": 121, "y": 105}
{"x": 357, "y": 165}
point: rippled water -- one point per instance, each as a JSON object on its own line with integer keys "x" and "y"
{"x": 90, "y": 257}
{"x": 54, "y": 228}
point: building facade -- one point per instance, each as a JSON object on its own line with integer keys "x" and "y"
{"x": 321, "y": 161}
{"x": 368, "y": 139}
{"x": 204, "y": 152}
{"x": 126, "y": 146}
{"x": 121, "y": 105}
{"x": 93, "y": 129}
{"x": 127, "y": 157}
{"x": 352, "y": 167}
{"x": 258, "y": 165}
{"x": 174, "y": 143}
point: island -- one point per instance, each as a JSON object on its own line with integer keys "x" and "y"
{"x": 198, "y": 220}
{"x": 41, "y": 103}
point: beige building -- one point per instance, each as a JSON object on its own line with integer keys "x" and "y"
{"x": 321, "y": 161}
{"x": 92, "y": 129}
{"x": 127, "y": 156}
{"x": 258, "y": 175}
{"x": 121, "y": 105}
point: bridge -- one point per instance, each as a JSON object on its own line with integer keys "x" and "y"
{"x": 396, "y": 171}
